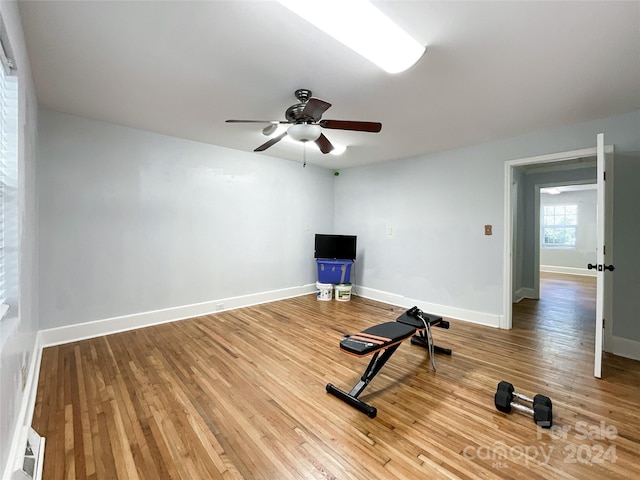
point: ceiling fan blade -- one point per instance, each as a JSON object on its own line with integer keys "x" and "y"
{"x": 257, "y": 121}
{"x": 271, "y": 142}
{"x": 314, "y": 108}
{"x": 373, "y": 127}
{"x": 324, "y": 144}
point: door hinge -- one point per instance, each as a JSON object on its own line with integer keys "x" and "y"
{"x": 604, "y": 176}
{"x": 603, "y": 320}
{"x": 604, "y": 250}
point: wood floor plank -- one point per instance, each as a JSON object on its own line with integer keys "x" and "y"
{"x": 241, "y": 395}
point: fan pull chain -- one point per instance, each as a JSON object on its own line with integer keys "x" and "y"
{"x": 304, "y": 154}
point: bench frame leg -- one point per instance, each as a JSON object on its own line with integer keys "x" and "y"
{"x": 375, "y": 365}
{"x": 421, "y": 340}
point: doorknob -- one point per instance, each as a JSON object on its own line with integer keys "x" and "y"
{"x": 590, "y": 266}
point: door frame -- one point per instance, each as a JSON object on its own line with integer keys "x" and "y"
{"x": 506, "y": 320}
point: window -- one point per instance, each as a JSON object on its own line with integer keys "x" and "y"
{"x": 8, "y": 181}
{"x": 559, "y": 223}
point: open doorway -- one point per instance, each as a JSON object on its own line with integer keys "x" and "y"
{"x": 566, "y": 289}
{"x": 526, "y": 240}
{"x": 567, "y": 243}
{"x": 521, "y": 264}
{"x": 558, "y": 292}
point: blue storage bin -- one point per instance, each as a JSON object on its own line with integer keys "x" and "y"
{"x": 334, "y": 271}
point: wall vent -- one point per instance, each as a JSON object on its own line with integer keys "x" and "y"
{"x": 32, "y": 460}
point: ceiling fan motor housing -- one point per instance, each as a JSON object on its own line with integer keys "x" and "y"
{"x": 294, "y": 112}
{"x": 303, "y": 95}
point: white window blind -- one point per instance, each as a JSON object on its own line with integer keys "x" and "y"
{"x": 8, "y": 184}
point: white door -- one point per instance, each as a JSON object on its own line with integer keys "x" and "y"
{"x": 604, "y": 254}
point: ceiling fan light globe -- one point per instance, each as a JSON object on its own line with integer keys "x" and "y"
{"x": 338, "y": 149}
{"x": 304, "y": 132}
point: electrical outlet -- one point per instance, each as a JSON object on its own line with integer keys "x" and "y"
{"x": 219, "y": 307}
{"x": 488, "y": 230}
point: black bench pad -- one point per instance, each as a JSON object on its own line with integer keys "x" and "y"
{"x": 416, "y": 322}
{"x": 376, "y": 338}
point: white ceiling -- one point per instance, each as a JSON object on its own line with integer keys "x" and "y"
{"x": 492, "y": 70}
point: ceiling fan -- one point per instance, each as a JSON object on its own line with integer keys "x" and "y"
{"x": 306, "y": 122}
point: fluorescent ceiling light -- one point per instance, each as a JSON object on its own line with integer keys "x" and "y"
{"x": 363, "y": 28}
{"x": 551, "y": 190}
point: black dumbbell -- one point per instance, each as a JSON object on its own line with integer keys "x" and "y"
{"x": 542, "y": 410}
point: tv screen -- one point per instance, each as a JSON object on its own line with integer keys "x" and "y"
{"x": 335, "y": 246}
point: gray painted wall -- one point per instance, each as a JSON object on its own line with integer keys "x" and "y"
{"x": 132, "y": 221}
{"x": 518, "y": 225}
{"x": 437, "y": 205}
{"x": 584, "y": 251}
{"x": 626, "y": 241}
{"x": 18, "y": 332}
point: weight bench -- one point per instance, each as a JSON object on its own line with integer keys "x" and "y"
{"x": 382, "y": 341}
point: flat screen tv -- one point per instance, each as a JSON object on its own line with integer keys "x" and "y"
{"x": 341, "y": 247}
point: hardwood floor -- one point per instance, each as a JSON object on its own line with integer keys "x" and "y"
{"x": 567, "y": 304}
{"x": 241, "y": 394}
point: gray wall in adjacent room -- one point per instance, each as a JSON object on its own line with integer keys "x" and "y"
{"x": 518, "y": 224}
{"x": 132, "y": 221}
{"x": 626, "y": 242}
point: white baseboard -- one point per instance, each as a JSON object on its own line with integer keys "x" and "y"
{"x": 98, "y": 328}
{"x": 56, "y": 336}
{"x": 523, "y": 293}
{"x": 623, "y": 347}
{"x": 382, "y": 296}
{"x": 72, "y": 333}
{"x": 568, "y": 270}
{"x": 481, "y": 318}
